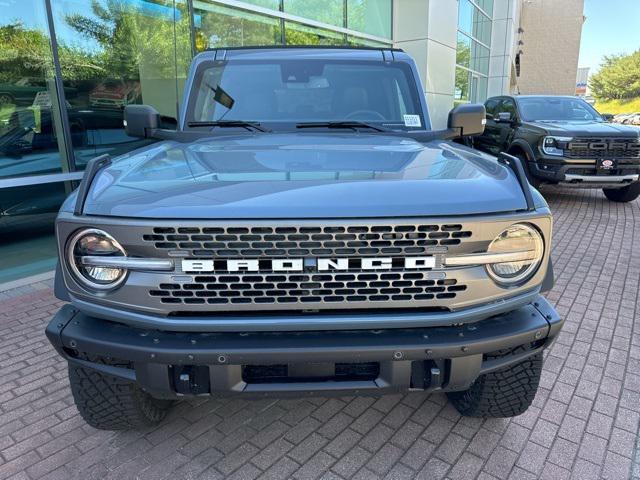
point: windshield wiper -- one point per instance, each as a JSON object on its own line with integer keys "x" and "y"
{"x": 231, "y": 124}
{"x": 350, "y": 124}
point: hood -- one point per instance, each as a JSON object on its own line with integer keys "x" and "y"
{"x": 303, "y": 175}
{"x": 586, "y": 129}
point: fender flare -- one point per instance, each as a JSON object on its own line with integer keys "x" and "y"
{"x": 59, "y": 288}
{"x": 549, "y": 278}
{"x": 531, "y": 156}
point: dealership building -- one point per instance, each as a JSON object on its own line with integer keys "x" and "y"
{"x": 68, "y": 67}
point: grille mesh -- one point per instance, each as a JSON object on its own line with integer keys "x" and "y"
{"x": 308, "y": 288}
{"x": 252, "y": 242}
{"x": 603, "y": 153}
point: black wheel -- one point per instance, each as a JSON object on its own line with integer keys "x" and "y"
{"x": 109, "y": 403}
{"x": 624, "y": 194}
{"x": 503, "y": 393}
{"x": 5, "y": 99}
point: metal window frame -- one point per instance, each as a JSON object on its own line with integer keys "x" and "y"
{"x": 474, "y": 39}
{"x": 476, "y": 72}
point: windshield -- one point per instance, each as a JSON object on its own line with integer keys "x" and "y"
{"x": 282, "y": 93}
{"x": 556, "y": 108}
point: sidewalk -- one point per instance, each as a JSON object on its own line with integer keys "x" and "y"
{"x": 583, "y": 424}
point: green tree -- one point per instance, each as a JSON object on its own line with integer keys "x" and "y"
{"x": 23, "y": 53}
{"x": 130, "y": 38}
{"x": 27, "y": 53}
{"x": 619, "y": 77}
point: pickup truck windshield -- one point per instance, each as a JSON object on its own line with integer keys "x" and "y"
{"x": 285, "y": 94}
{"x": 557, "y": 108}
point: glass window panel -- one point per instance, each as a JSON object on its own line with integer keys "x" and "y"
{"x": 508, "y": 106}
{"x": 481, "y": 91}
{"x": 283, "y": 92}
{"x": 470, "y": 87}
{"x": 298, "y": 34}
{"x": 479, "y": 58}
{"x": 114, "y": 54}
{"x": 272, "y": 4}
{"x": 326, "y": 11}
{"x": 27, "y": 216}
{"x": 461, "y": 94}
{"x": 219, "y": 26}
{"x": 473, "y": 22}
{"x": 465, "y": 16}
{"x": 463, "y": 50}
{"x": 492, "y": 107}
{"x": 30, "y": 133}
{"x": 486, "y": 5}
{"x": 365, "y": 42}
{"x": 370, "y": 16}
{"x": 481, "y": 27}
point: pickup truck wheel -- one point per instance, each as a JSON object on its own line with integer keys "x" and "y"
{"x": 5, "y": 99}
{"x": 503, "y": 393}
{"x": 110, "y": 403}
{"x": 624, "y": 194}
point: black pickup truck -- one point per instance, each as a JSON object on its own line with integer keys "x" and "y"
{"x": 564, "y": 140}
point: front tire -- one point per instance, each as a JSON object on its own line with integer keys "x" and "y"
{"x": 110, "y": 403}
{"x": 503, "y": 393}
{"x": 624, "y": 194}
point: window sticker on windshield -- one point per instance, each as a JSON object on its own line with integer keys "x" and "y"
{"x": 412, "y": 121}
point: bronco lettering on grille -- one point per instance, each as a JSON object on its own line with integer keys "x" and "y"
{"x": 313, "y": 264}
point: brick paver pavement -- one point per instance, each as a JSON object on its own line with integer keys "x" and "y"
{"x": 582, "y": 425}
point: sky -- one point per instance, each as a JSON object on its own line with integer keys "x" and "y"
{"x": 611, "y": 27}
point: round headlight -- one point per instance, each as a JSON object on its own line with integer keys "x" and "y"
{"x": 518, "y": 238}
{"x": 95, "y": 243}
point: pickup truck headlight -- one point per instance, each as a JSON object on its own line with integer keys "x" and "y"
{"x": 552, "y": 145}
{"x": 526, "y": 243}
{"x": 95, "y": 243}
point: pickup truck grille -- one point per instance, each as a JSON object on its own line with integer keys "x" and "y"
{"x": 326, "y": 241}
{"x": 325, "y": 288}
{"x": 614, "y": 148}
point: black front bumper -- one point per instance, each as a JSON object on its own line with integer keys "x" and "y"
{"x": 561, "y": 170}
{"x": 170, "y": 364}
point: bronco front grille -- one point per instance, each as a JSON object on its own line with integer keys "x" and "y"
{"x": 253, "y": 242}
{"x": 331, "y": 288}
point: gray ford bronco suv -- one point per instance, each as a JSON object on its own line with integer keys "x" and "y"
{"x": 303, "y": 231}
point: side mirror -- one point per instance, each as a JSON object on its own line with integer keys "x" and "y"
{"x": 503, "y": 117}
{"x": 607, "y": 116}
{"x": 140, "y": 118}
{"x": 469, "y": 118}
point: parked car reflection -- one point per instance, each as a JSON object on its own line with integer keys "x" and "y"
{"x": 115, "y": 94}
{"x": 25, "y": 90}
{"x": 29, "y": 146}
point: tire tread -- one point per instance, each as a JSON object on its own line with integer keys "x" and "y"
{"x": 504, "y": 393}
{"x": 110, "y": 403}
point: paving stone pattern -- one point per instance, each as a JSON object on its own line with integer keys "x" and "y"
{"x": 583, "y": 424}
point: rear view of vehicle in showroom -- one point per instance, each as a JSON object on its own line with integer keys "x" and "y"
{"x": 563, "y": 140}
{"x": 304, "y": 231}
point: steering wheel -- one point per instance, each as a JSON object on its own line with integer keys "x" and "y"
{"x": 365, "y": 115}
